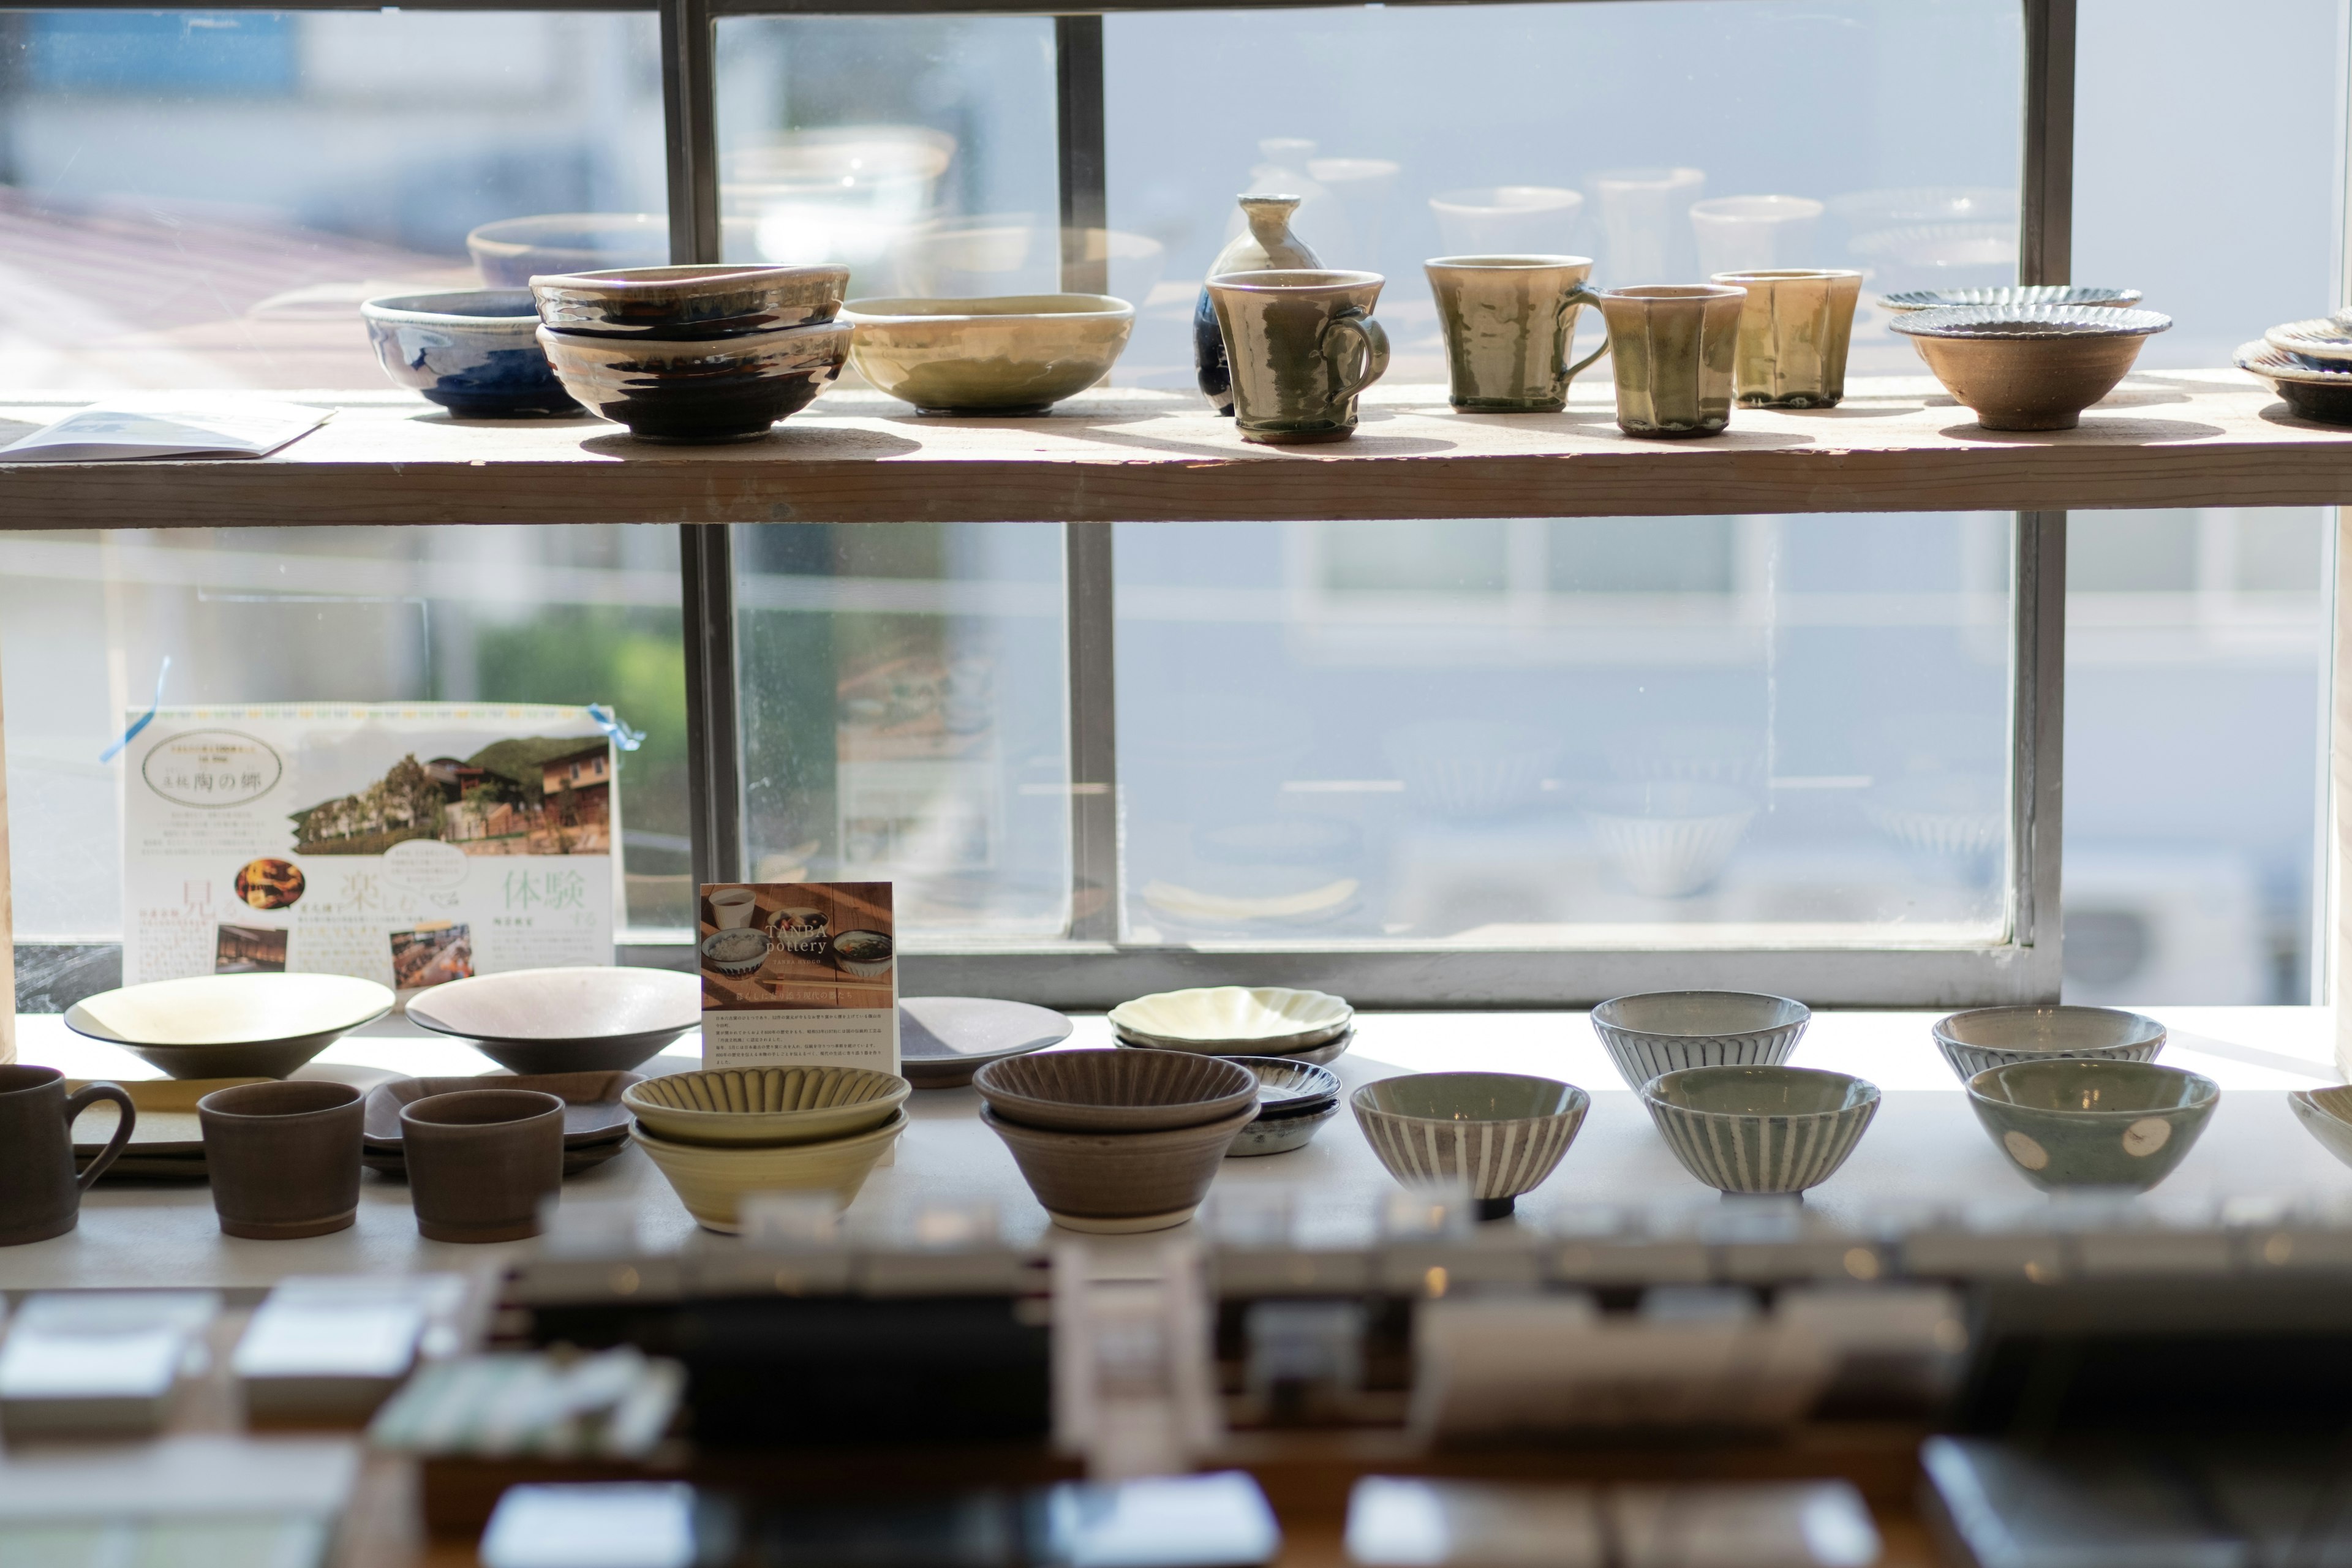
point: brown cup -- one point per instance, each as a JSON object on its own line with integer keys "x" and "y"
{"x": 480, "y": 1159}
{"x": 284, "y": 1158}
{"x": 39, "y": 1194}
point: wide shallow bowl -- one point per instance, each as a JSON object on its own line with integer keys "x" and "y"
{"x": 1285, "y": 1083}
{"x": 943, "y": 1040}
{"x": 1117, "y": 1182}
{"x": 765, "y": 1105}
{"x": 511, "y": 251}
{"x": 1233, "y": 1020}
{"x": 595, "y": 1122}
{"x": 1321, "y": 1056}
{"x": 696, "y": 390}
{"x": 1986, "y": 1037}
{"x": 2326, "y": 1113}
{"x": 2323, "y": 341}
{"x": 475, "y": 353}
{"x": 1116, "y": 1091}
{"x": 231, "y": 1026}
{"x": 712, "y": 1179}
{"x": 1273, "y": 1134}
{"x": 2034, "y": 368}
{"x": 1012, "y": 355}
{"x": 2093, "y": 1123}
{"x": 1761, "y": 1129}
{"x": 565, "y": 1020}
{"x": 2312, "y": 390}
{"x": 1502, "y": 1132}
{"x": 689, "y": 302}
{"x": 2011, "y": 297}
{"x": 1656, "y": 1032}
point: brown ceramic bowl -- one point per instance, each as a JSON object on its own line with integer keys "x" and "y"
{"x": 284, "y": 1157}
{"x": 480, "y": 1161}
{"x": 2035, "y": 367}
{"x": 1117, "y": 1182}
{"x": 1115, "y": 1091}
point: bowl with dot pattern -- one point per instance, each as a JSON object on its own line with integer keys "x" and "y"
{"x": 1655, "y": 1032}
{"x": 1761, "y": 1129}
{"x": 2075, "y": 1124}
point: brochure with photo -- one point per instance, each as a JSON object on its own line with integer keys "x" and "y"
{"x": 240, "y": 427}
{"x": 799, "y": 975}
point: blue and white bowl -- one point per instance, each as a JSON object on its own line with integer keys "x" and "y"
{"x": 1655, "y": 1032}
{"x": 1761, "y": 1129}
{"x": 476, "y": 353}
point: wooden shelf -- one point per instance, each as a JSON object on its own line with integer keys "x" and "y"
{"x": 2166, "y": 439}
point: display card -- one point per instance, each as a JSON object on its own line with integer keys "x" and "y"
{"x": 799, "y": 975}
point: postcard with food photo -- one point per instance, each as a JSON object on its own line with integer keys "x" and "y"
{"x": 799, "y": 975}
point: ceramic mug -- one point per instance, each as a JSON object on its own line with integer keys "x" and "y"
{"x": 1673, "y": 345}
{"x": 481, "y": 1161}
{"x": 1793, "y": 333}
{"x": 284, "y": 1157}
{"x": 40, "y": 1196}
{"x": 1508, "y": 322}
{"x": 1301, "y": 345}
{"x": 731, "y": 909}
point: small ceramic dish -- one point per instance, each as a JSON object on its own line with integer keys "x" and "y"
{"x": 694, "y": 391}
{"x": 475, "y": 353}
{"x": 2071, "y": 1124}
{"x": 1120, "y": 1182}
{"x": 712, "y": 1180}
{"x": 1116, "y": 1091}
{"x": 1504, "y": 1133}
{"x": 739, "y": 952}
{"x": 1270, "y": 1134}
{"x": 866, "y": 955}
{"x": 1761, "y": 1129}
{"x": 1655, "y": 1032}
{"x": 511, "y": 251}
{"x": 2325, "y": 1115}
{"x": 1285, "y": 1083}
{"x": 2312, "y": 391}
{"x": 2323, "y": 341}
{"x": 2011, "y": 297}
{"x": 595, "y": 1123}
{"x": 2034, "y": 368}
{"x": 765, "y": 1106}
{"x": 231, "y": 1026}
{"x": 943, "y": 1040}
{"x": 1986, "y": 1037}
{"x": 1233, "y": 1020}
{"x": 1000, "y": 358}
{"x": 689, "y": 302}
{"x": 590, "y": 1019}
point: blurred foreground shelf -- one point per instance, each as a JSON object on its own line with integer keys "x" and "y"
{"x": 2173, "y": 439}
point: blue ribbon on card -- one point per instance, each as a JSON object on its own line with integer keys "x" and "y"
{"x": 628, "y": 739}
{"x": 144, "y": 720}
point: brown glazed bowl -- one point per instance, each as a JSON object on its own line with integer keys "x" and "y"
{"x": 689, "y": 301}
{"x": 480, "y": 1161}
{"x": 284, "y": 1157}
{"x": 1115, "y": 1091}
{"x": 1120, "y": 1182}
{"x": 694, "y": 391}
{"x": 2034, "y": 367}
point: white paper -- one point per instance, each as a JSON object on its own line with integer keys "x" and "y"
{"x": 109, "y": 432}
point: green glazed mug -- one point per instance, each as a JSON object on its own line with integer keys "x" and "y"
{"x": 1793, "y": 334}
{"x": 1508, "y": 322}
{"x": 1673, "y": 345}
{"x": 1302, "y": 345}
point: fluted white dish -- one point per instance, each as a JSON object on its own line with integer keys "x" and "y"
{"x": 1761, "y": 1129}
{"x": 1656, "y": 1032}
{"x": 1229, "y": 1020}
{"x": 1503, "y": 1133}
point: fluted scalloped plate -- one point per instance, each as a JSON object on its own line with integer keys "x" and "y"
{"x": 747, "y": 1106}
{"x": 2011, "y": 296}
{"x": 1285, "y": 1085}
{"x": 1115, "y": 1091}
{"x": 1264, "y": 1019}
{"x": 2030, "y": 322}
{"x": 2322, "y": 338}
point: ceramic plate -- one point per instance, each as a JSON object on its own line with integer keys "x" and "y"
{"x": 1285, "y": 1085}
{"x": 595, "y": 1123}
{"x": 1231, "y": 1020}
{"x": 2273, "y": 364}
{"x": 2027, "y": 294}
{"x": 943, "y": 1040}
{"x": 2323, "y": 341}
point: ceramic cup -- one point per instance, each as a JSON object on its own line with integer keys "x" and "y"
{"x": 1674, "y": 346}
{"x": 284, "y": 1157}
{"x": 1301, "y": 345}
{"x": 1508, "y": 322}
{"x": 40, "y": 1196}
{"x": 480, "y": 1159}
{"x": 732, "y": 908}
{"x": 1793, "y": 333}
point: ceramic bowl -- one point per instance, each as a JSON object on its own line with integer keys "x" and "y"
{"x": 2093, "y": 1123}
{"x": 1285, "y": 1083}
{"x": 476, "y": 353}
{"x": 1118, "y": 1183}
{"x": 2034, "y": 368}
{"x": 698, "y": 390}
{"x": 511, "y": 252}
{"x": 689, "y": 302}
{"x": 565, "y": 1020}
{"x": 1271, "y": 1134}
{"x": 1321, "y": 1056}
{"x": 712, "y": 1180}
{"x": 2326, "y": 1113}
{"x": 231, "y": 1026}
{"x": 943, "y": 1040}
{"x": 1761, "y": 1129}
{"x": 1016, "y": 354}
{"x": 2011, "y": 297}
{"x": 1668, "y": 838}
{"x": 1986, "y": 1037}
{"x": 866, "y": 955}
{"x": 2312, "y": 391}
{"x": 1233, "y": 1020}
{"x": 1116, "y": 1091}
{"x": 765, "y": 1106}
{"x": 2324, "y": 341}
{"x": 1656, "y": 1032}
{"x": 1501, "y": 1133}
{"x": 1471, "y": 768}
{"x": 740, "y": 951}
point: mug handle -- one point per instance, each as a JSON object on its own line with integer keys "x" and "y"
{"x": 1375, "y": 348}
{"x": 82, "y": 1099}
{"x": 1580, "y": 295}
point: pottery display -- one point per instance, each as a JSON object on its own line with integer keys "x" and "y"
{"x": 2034, "y": 368}
{"x": 1300, "y": 346}
{"x": 712, "y": 1179}
{"x": 1656, "y": 1032}
{"x": 1279, "y": 1134}
{"x": 693, "y": 390}
{"x": 765, "y": 1105}
{"x": 943, "y": 1040}
{"x": 481, "y": 1161}
{"x": 1116, "y": 1091}
{"x": 511, "y": 251}
{"x": 1506, "y": 219}
{"x": 476, "y": 353}
{"x": 689, "y": 302}
{"x": 1986, "y": 1037}
{"x": 999, "y": 358}
{"x": 595, "y": 1122}
{"x": 2011, "y": 297}
{"x": 1795, "y": 331}
{"x": 1761, "y": 1129}
{"x": 1508, "y": 322}
{"x": 1120, "y": 1182}
{"x": 40, "y": 1194}
{"x": 1221, "y": 1020}
{"x": 2312, "y": 390}
{"x": 2326, "y": 1115}
{"x": 2071, "y": 1124}
{"x": 1265, "y": 245}
{"x": 1674, "y": 348}
{"x": 231, "y": 1026}
{"x": 284, "y": 1158}
{"x": 1750, "y": 234}
{"x": 167, "y": 1140}
{"x": 565, "y": 1020}
{"x": 1502, "y": 1134}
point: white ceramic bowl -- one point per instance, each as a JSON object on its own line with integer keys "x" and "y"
{"x": 1761, "y": 1129}
{"x": 1504, "y": 1133}
{"x": 1657, "y": 1032}
{"x": 712, "y": 1180}
{"x": 231, "y": 1026}
{"x": 1983, "y": 1039}
{"x": 565, "y": 1020}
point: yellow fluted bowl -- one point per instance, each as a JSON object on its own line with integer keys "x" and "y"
{"x": 711, "y": 1180}
{"x": 739, "y": 1106}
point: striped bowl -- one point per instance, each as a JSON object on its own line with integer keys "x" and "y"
{"x": 765, "y": 1106}
{"x": 1115, "y": 1091}
{"x": 1665, "y": 1031}
{"x": 1502, "y": 1134}
{"x": 1986, "y": 1037}
{"x": 1761, "y": 1129}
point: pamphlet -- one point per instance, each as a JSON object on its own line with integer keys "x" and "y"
{"x": 406, "y": 843}
{"x": 109, "y": 432}
{"x": 799, "y": 975}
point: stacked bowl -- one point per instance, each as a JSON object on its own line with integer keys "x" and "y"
{"x": 1311, "y": 1027}
{"x": 2308, "y": 364}
{"x": 720, "y": 1135}
{"x": 1295, "y": 1099}
{"x": 695, "y": 354}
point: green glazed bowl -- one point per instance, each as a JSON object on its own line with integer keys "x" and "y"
{"x": 1761, "y": 1129}
{"x": 2073, "y": 1123}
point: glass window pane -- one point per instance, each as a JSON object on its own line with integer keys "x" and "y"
{"x": 1683, "y": 731}
{"x": 904, "y": 719}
